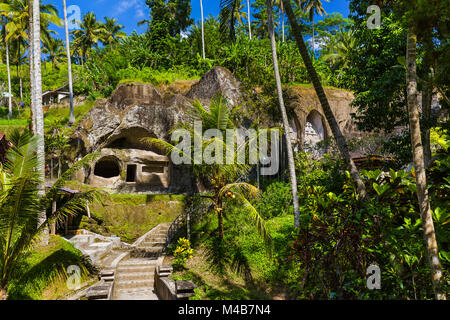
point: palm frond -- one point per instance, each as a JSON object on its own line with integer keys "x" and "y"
{"x": 258, "y": 220}
{"x": 164, "y": 146}
{"x": 227, "y": 17}
{"x": 67, "y": 175}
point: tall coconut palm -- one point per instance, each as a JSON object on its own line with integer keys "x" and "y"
{"x": 248, "y": 20}
{"x": 112, "y": 33}
{"x": 335, "y": 129}
{"x": 312, "y": 7}
{"x": 36, "y": 97}
{"x": 286, "y": 126}
{"x": 4, "y": 21}
{"x": 89, "y": 34}
{"x": 231, "y": 11}
{"x": 279, "y": 3}
{"x": 69, "y": 65}
{"x": 21, "y": 202}
{"x": 21, "y": 11}
{"x": 419, "y": 164}
{"x": 203, "y": 30}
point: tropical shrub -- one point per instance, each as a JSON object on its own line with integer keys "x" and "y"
{"x": 182, "y": 253}
{"x": 275, "y": 201}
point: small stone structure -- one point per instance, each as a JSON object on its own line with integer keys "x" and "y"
{"x": 168, "y": 289}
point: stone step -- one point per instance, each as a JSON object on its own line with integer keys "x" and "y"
{"x": 120, "y": 285}
{"x": 161, "y": 239}
{"x": 108, "y": 279}
{"x": 151, "y": 249}
{"x": 98, "y": 292}
{"x": 135, "y": 276}
{"x": 136, "y": 294}
{"x": 138, "y": 262}
{"x": 135, "y": 268}
{"x": 153, "y": 243}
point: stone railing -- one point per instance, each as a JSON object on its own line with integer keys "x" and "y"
{"x": 168, "y": 289}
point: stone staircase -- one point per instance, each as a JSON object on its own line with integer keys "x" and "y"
{"x": 134, "y": 275}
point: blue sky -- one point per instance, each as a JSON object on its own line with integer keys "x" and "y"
{"x": 129, "y": 12}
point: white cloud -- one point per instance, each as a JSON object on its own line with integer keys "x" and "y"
{"x": 125, "y": 5}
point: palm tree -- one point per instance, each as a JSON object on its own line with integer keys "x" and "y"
{"x": 419, "y": 164}
{"x": 54, "y": 49}
{"x": 69, "y": 65}
{"x": 312, "y": 7}
{"x": 203, "y": 30}
{"x": 89, "y": 34}
{"x": 223, "y": 178}
{"x": 248, "y": 20}
{"x": 232, "y": 11}
{"x": 338, "y": 49}
{"x": 21, "y": 12}
{"x": 36, "y": 98}
{"x": 337, "y": 133}
{"x": 4, "y": 21}
{"x": 21, "y": 202}
{"x": 286, "y": 126}
{"x": 279, "y": 3}
{"x": 112, "y": 32}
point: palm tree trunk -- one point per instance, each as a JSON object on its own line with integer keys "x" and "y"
{"x": 37, "y": 98}
{"x": 203, "y": 30}
{"x": 418, "y": 158}
{"x": 9, "y": 79}
{"x": 19, "y": 70}
{"x": 286, "y": 126}
{"x": 69, "y": 65}
{"x": 427, "y": 96}
{"x": 220, "y": 218}
{"x": 31, "y": 58}
{"x": 313, "y": 40}
{"x": 282, "y": 21}
{"x": 248, "y": 20}
{"x": 59, "y": 167}
{"x": 337, "y": 133}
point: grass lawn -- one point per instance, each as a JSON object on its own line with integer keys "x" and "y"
{"x": 41, "y": 275}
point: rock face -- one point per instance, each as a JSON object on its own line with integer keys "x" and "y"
{"x": 217, "y": 80}
{"x": 115, "y": 128}
{"x": 310, "y": 124}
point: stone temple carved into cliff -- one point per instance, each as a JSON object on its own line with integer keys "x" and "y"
{"x": 114, "y": 128}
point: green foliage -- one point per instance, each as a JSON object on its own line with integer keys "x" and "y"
{"x": 21, "y": 203}
{"x": 340, "y": 237}
{"x": 45, "y": 266}
{"x": 275, "y": 201}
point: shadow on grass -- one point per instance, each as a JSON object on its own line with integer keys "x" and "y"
{"x": 30, "y": 280}
{"x": 228, "y": 290}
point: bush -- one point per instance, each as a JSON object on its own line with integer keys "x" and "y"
{"x": 275, "y": 201}
{"x": 182, "y": 253}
